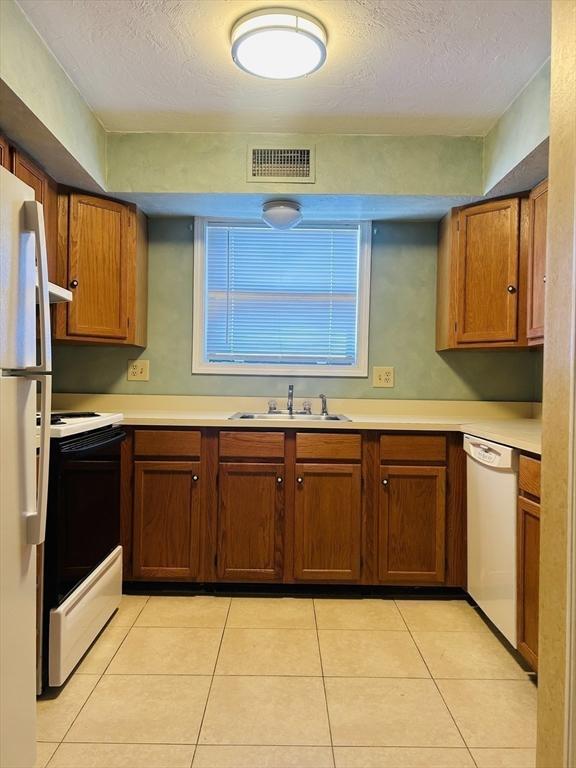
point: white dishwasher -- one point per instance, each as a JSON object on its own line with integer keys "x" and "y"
{"x": 492, "y": 490}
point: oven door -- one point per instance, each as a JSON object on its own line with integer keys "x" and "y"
{"x": 82, "y": 567}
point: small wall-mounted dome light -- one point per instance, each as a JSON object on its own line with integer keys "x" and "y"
{"x": 281, "y": 214}
{"x": 278, "y": 43}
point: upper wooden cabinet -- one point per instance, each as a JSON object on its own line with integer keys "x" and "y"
{"x": 102, "y": 258}
{"x": 45, "y": 192}
{"x": 537, "y": 263}
{"x": 481, "y": 292}
{"x": 4, "y": 153}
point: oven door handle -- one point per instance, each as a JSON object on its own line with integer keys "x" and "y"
{"x": 118, "y": 437}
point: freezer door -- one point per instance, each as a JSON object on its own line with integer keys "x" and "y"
{"x": 17, "y": 573}
{"x": 17, "y": 276}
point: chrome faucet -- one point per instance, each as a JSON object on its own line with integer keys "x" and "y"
{"x": 290, "y": 403}
{"x": 324, "y": 405}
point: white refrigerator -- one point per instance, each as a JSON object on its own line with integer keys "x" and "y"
{"x": 25, "y": 365}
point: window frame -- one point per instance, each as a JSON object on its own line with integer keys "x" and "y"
{"x": 202, "y": 366}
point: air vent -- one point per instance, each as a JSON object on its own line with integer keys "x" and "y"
{"x": 281, "y": 164}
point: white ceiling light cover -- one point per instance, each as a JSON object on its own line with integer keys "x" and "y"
{"x": 279, "y": 44}
{"x": 281, "y": 214}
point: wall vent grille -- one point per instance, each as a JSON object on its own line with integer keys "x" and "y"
{"x": 281, "y": 164}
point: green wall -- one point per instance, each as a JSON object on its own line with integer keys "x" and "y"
{"x": 402, "y": 327}
{"x": 519, "y": 131}
{"x": 30, "y": 70}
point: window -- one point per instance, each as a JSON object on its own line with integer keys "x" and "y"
{"x": 284, "y": 302}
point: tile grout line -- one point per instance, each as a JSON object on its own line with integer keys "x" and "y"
{"x": 211, "y": 682}
{"x": 97, "y": 682}
{"x": 437, "y": 687}
{"x": 324, "y": 683}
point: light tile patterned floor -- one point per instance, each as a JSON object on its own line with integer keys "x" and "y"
{"x": 214, "y": 682}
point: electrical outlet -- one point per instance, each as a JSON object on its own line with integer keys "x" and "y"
{"x": 383, "y": 376}
{"x": 138, "y": 370}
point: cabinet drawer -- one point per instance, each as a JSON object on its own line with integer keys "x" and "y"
{"x": 164, "y": 442}
{"x": 252, "y": 445}
{"x": 412, "y": 448}
{"x": 328, "y": 446}
{"x": 529, "y": 479}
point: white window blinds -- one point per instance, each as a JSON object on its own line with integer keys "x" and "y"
{"x": 281, "y": 298}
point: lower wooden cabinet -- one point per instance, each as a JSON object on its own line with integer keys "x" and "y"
{"x": 412, "y": 523}
{"x": 166, "y": 520}
{"x": 250, "y": 522}
{"x": 528, "y": 558}
{"x": 328, "y": 522}
{"x": 528, "y": 579}
{"x": 282, "y": 506}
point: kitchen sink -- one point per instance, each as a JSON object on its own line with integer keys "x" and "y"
{"x": 283, "y": 416}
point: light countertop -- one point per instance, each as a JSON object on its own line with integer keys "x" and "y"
{"x": 513, "y": 424}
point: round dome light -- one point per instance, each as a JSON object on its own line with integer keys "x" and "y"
{"x": 281, "y": 214}
{"x": 279, "y": 44}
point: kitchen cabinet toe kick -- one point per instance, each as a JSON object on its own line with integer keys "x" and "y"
{"x": 294, "y": 507}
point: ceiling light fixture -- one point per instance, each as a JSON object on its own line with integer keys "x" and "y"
{"x": 281, "y": 214}
{"x": 278, "y": 43}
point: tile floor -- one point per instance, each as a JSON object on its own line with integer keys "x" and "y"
{"x": 214, "y": 682}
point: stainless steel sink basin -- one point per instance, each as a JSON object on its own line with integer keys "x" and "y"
{"x": 280, "y": 416}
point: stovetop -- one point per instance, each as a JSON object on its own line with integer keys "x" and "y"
{"x": 66, "y": 423}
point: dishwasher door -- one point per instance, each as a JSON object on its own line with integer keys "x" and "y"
{"x": 492, "y": 490}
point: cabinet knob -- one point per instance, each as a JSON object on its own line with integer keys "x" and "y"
{"x": 544, "y": 279}
{"x": 299, "y": 480}
{"x": 385, "y": 481}
{"x": 279, "y": 480}
{"x": 195, "y": 478}
{"x": 73, "y": 283}
{"x": 511, "y": 289}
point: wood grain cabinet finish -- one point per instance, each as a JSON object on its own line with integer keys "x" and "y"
{"x": 537, "y": 263}
{"x": 412, "y": 524}
{"x": 166, "y": 520}
{"x": 4, "y": 153}
{"x": 328, "y": 523}
{"x": 102, "y": 258}
{"x": 528, "y": 575}
{"x": 528, "y": 558}
{"x": 45, "y": 192}
{"x": 481, "y": 288}
{"x": 250, "y": 522}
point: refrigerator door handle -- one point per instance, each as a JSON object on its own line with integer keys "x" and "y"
{"x": 36, "y": 521}
{"x": 34, "y": 214}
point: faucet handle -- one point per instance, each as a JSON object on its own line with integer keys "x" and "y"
{"x": 323, "y": 398}
{"x": 307, "y": 406}
{"x": 272, "y": 406}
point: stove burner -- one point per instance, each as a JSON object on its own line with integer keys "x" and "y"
{"x": 58, "y": 416}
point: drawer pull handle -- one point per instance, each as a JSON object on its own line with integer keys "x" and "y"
{"x": 195, "y": 478}
{"x": 299, "y": 480}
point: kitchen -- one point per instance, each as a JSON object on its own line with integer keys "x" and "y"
{"x": 310, "y": 319}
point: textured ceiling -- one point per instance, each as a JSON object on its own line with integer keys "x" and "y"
{"x": 394, "y": 66}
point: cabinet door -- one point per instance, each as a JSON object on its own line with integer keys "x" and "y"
{"x": 98, "y": 241}
{"x": 45, "y": 192}
{"x": 4, "y": 153}
{"x": 537, "y": 262}
{"x": 488, "y": 265}
{"x": 412, "y": 523}
{"x": 166, "y": 520}
{"x": 328, "y": 522}
{"x": 528, "y": 579}
{"x": 250, "y": 521}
